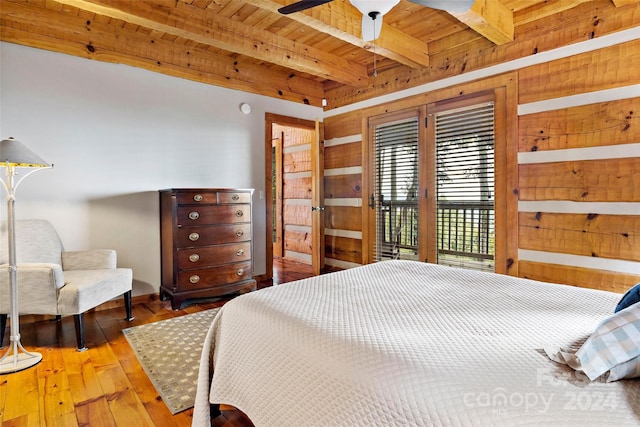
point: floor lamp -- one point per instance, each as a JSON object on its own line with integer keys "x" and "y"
{"x": 13, "y": 154}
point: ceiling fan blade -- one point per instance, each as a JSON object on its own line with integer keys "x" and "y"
{"x": 301, "y": 5}
{"x": 449, "y": 5}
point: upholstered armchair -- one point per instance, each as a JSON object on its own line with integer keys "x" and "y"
{"x": 52, "y": 281}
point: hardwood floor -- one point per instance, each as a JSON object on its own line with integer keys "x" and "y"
{"x": 105, "y": 385}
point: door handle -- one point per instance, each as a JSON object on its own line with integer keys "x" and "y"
{"x": 372, "y": 201}
{"x": 317, "y": 208}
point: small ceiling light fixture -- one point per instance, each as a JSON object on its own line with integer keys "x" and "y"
{"x": 245, "y": 108}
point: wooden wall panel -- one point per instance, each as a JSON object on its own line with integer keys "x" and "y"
{"x": 608, "y": 123}
{"x": 297, "y": 241}
{"x": 591, "y": 235}
{"x": 343, "y": 155}
{"x": 343, "y": 186}
{"x": 343, "y": 249}
{"x": 614, "y": 66}
{"x": 297, "y": 161}
{"x": 607, "y": 180}
{"x": 296, "y": 215}
{"x": 343, "y": 218}
{"x": 299, "y": 188}
{"x": 578, "y": 276}
{"x": 346, "y": 124}
{"x": 297, "y": 136}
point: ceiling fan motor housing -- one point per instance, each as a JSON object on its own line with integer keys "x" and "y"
{"x": 371, "y": 10}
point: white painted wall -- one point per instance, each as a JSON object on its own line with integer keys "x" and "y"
{"x": 116, "y": 135}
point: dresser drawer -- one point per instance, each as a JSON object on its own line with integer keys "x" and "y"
{"x": 226, "y": 198}
{"x": 212, "y": 235}
{"x": 209, "y": 214}
{"x": 197, "y": 197}
{"x": 213, "y": 255}
{"x": 214, "y": 276}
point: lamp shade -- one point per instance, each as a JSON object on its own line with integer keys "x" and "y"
{"x": 16, "y": 153}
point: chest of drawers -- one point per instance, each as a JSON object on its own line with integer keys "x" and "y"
{"x": 205, "y": 243}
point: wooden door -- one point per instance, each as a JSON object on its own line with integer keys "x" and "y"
{"x": 302, "y": 181}
{"x": 394, "y": 192}
{"x": 277, "y": 197}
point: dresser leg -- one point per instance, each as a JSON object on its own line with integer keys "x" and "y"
{"x": 176, "y": 303}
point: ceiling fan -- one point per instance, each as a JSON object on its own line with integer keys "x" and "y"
{"x": 373, "y": 9}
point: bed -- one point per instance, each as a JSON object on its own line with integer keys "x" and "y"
{"x": 413, "y": 344}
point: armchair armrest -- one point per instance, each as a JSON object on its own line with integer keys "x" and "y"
{"x": 95, "y": 259}
{"x": 38, "y": 285}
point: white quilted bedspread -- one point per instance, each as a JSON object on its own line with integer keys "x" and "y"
{"x": 411, "y": 344}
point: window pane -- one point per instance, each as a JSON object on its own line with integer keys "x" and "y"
{"x": 465, "y": 187}
{"x": 396, "y": 186}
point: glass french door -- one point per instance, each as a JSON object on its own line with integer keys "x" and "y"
{"x": 394, "y": 197}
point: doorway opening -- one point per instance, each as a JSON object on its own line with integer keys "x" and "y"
{"x": 289, "y": 190}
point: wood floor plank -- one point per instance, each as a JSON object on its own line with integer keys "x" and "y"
{"x": 126, "y": 407}
{"x": 83, "y": 378}
{"x": 3, "y": 393}
{"x": 57, "y": 401}
{"x": 95, "y": 413}
{"x": 23, "y": 397}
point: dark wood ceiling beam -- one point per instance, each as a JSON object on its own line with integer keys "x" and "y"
{"x": 79, "y": 35}
{"x": 203, "y": 26}
{"x": 344, "y": 22}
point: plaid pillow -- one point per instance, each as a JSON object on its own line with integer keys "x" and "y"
{"x": 629, "y": 369}
{"x": 615, "y": 342}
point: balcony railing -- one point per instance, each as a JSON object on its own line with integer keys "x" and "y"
{"x": 465, "y": 234}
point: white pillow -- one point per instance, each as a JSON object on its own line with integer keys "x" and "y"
{"x": 614, "y": 347}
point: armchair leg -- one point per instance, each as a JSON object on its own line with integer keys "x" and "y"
{"x": 78, "y": 320}
{"x": 3, "y": 325}
{"x": 127, "y": 306}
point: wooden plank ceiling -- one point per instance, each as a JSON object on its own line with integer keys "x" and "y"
{"x": 248, "y": 45}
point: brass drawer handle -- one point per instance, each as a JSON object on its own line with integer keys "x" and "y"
{"x": 239, "y": 233}
{"x": 239, "y": 252}
{"x": 194, "y": 279}
{"x": 239, "y": 272}
{"x": 239, "y": 213}
{"x": 197, "y": 197}
{"x": 235, "y": 197}
{"x": 194, "y": 236}
{"x": 194, "y": 257}
{"x": 194, "y": 215}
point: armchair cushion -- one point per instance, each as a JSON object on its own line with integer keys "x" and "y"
{"x": 84, "y": 287}
{"x": 89, "y": 260}
{"x": 37, "y": 290}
